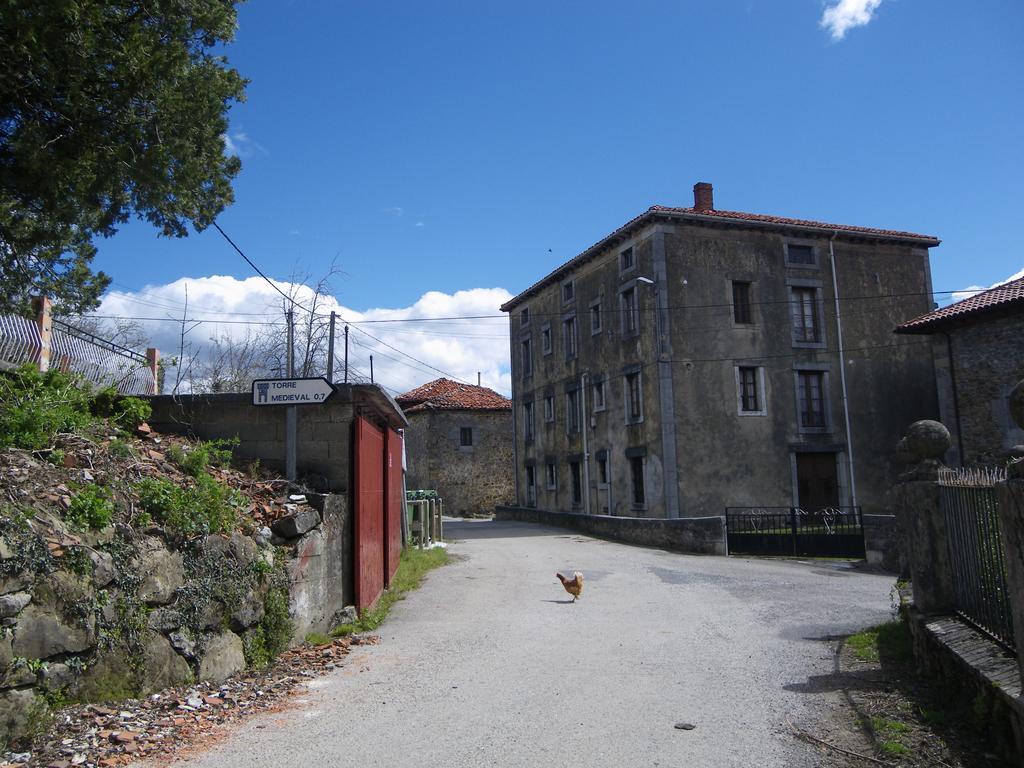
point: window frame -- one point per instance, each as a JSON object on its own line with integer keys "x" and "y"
{"x": 547, "y": 342}
{"x": 529, "y": 427}
{"x": 747, "y": 304}
{"x": 575, "y": 482}
{"x": 571, "y": 339}
{"x": 573, "y": 417}
{"x": 595, "y": 311}
{"x": 812, "y": 244}
{"x": 637, "y": 458}
{"x": 550, "y": 476}
{"x": 627, "y": 396}
{"x": 549, "y": 409}
{"x": 630, "y": 323}
{"x": 599, "y": 385}
{"x": 762, "y": 409}
{"x": 603, "y": 469}
{"x": 823, "y": 372}
{"x": 571, "y": 296}
{"x": 524, "y": 317}
{"x": 815, "y": 287}
{"x": 463, "y": 445}
{"x": 531, "y": 485}
{"x": 623, "y": 266}
{"x": 526, "y": 357}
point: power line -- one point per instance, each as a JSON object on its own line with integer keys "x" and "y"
{"x": 259, "y": 271}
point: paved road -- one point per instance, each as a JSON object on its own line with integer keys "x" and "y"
{"x": 488, "y": 664}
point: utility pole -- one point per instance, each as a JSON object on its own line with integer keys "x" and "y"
{"x": 371, "y": 369}
{"x": 330, "y": 351}
{"x": 291, "y": 414}
{"x": 346, "y": 354}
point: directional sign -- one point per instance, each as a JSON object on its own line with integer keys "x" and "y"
{"x": 312, "y": 391}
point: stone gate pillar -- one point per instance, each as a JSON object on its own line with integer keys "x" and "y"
{"x": 921, "y": 520}
{"x": 1010, "y": 501}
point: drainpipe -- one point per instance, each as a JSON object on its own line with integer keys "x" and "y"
{"x": 584, "y": 426}
{"x": 515, "y": 412}
{"x": 842, "y": 370}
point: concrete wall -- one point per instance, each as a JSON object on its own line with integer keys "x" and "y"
{"x": 882, "y": 544}
{"x": 324, "y": 431}
{"x": 320, "y": 567}
{"x": 702, "y": 536}
{"x": 987, "y": 363}
{"x": 471, "y": 480}
{"x": 700, "y": 455}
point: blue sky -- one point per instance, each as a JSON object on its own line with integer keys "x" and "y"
{"x": 447, "y": 146}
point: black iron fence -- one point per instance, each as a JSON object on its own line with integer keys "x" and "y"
{"x": 976, "y": 553}
{"x": 793, "y": 531}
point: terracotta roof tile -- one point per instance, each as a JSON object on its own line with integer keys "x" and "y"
{"x": 985, "y": 301}
{"x": 753, "y": 219}
{"x": 448, "y": 395}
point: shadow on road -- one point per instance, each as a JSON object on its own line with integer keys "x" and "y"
{"x": 495, "y": 529}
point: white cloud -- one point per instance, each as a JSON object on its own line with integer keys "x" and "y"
{"x": 240, "y": 145}
{"x": 397, "y": 211}
{"x": 974, "y": 290}
{"x": 844, "y": 15}
{"x": 229, "y": 306}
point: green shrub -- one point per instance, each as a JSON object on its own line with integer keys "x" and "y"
{"x": 208, "y": 507}
{"x": 274, "y": 632}
{"x": 125, "y": 412}
{"x": 213, "y": 453}
{"x": 91, "y": 509}
{"x": 35, "y": 406}
{"x": 119, "y": 449}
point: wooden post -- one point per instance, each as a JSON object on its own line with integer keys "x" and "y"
{"x": 153, "y": 360}
{"x": 43, "y": 306}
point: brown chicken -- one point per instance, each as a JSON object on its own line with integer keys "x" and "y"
{"x": 573, "y": 586}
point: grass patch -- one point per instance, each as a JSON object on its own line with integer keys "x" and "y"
{"x": 414, "y": 565}
{"x": 317, "y": 638}
{"x": 885, "y": 643}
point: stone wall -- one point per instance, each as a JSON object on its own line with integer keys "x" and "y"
{"x": 987, "y": 362}
{"x": 125, "y": 613}
{"x": 472, "y": 480}
{"x": 696, "y": 535}
{"x": 882, "y": 543}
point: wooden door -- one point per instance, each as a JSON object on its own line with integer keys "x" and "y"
{"x": 817, "y": 480}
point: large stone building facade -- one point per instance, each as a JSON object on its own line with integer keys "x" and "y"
{"x": 698, "y": 359}
{"x": 459, "y": 443}
{"x": 978, "y": 346}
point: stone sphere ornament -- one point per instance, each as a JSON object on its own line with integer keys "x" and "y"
{"x": 927, "y": 439}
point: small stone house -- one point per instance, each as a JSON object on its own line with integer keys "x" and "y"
{"x": 978, "y": 348}
{"x": 459, "y": 443}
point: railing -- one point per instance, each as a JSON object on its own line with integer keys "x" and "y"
{"x": 19, "y": 341}
{"x": 54, "y": 344}
{"x": 815, "y": 531}
{"x": 976, "y": 552}
{"x": 100, "y": 361}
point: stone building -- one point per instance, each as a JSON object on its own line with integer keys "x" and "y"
{"x": 459, "y": 443}
{"x": 698, "y": 359}
{"x": 978, "y": 347}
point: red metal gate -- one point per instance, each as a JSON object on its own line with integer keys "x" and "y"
{"x": 393, "y": 504}
{"x": 369, "y": 513}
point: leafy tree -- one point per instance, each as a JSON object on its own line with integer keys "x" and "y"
{"x": 108, "y": 108}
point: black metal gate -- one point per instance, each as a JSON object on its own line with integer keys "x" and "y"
{"x": 792, "y": 531}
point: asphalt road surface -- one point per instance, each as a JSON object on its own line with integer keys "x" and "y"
{"x": 490, "y": 664}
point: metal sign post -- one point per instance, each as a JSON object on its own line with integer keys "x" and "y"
{"x": 291, "y": 393}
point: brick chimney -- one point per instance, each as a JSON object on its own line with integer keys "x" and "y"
{"x": 703, "y": 197}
